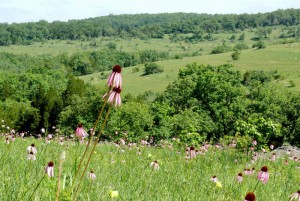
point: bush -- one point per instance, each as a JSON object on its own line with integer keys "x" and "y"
{"x": 152, "y": 68}
{"x": 241, "y": 46}
{"x": 236, "y": 54}
{"x": 221, "y": 49}
{"x": 259, "y": 45}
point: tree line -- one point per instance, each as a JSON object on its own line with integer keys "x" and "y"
{"x": 142, "y": 26}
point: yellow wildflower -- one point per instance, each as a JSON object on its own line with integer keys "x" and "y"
{"x": 218, "y": 184}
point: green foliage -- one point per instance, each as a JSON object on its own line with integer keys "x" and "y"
{"x": 191, "y": 138}
{"x": 261, "y": 129}
{"x": 221, "y": 49}
{"x": 241, "y": 46}
{"x": 236, "y": 55}
{"x": 242, "y": 37}
{"x": 112, "y": 45}
{"x": 152, "y": 68}
{"x": 133, "y": 118}
{"x": 259, "y": 45}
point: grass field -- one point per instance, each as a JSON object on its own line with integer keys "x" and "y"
{"x": 123, "y": 170}
{"x": 283, "y": 57}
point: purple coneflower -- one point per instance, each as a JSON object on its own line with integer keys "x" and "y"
{"x": 273, "y": 157}
{"x": 250, "y": 197}
{"x": 192, "y": 152}
{"x": 214, "y": 178}
{"x": 49, "y": 169}
{"x": 239, "y": 178}
{"x": 263, "y": 175}
{"x": 114, "y": 96}
{"x": 254, "y": 142}
{"x": 31, "y": 156}
{"x": 31, "y": 149}
{"x": 186, "y": 151}
{"x": 295, "y": 196}
{"x": 80, "y": 132}
{"x": 154, "y": 165}
{"x": 115, "y": 78}
{"x": 271, "y": 146}
{"x": 6, "y": 141}
{"x": 92, "y": 175}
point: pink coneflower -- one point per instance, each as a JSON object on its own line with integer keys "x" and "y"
{"x": 154, "y": 165}
{"x": 271, "y": 146}
{"x": 92, "y": 175}
{"x": 115, "y": 78}
{"x": 214, "y": 178}
{"x": 246, "y": 171}
{"x": 6, "y": 141}
{"x": 186, "y": 151}
{"x": 250, "y": 197}
{"x": 273, "y": 157}
{"x": 115, "y": 96}
{"x": 286, "y": 162}
{"x": 49, "y": 169}
{"x": 192, "y": 152}
{"x": 252, "y": 170}
{"x": 31, "y": 156}
{"x": 295, "y": 196}
{"x": 31, "y": 149}
{"x": 239, "y": 177}
{"x": 263, "y": 175}
{"x": 13, "y": 138}
{"x": 254, "y": 142}
{"x": 80, "y": 132}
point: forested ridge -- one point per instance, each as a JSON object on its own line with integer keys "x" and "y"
{"x": 204, "y": 103}
{"x": 142, "y": 26}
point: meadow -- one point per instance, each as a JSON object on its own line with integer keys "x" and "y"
{"x": 126, "y": 169}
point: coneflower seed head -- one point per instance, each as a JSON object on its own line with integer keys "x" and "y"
{"x": 240, "y": 174}
{"x": 117, "y": 69}
{"x": 264, "y": 169}
{"x": 250, "y": 196}
{"x": 117, "y": 89}
{"x": 51, "y": 164}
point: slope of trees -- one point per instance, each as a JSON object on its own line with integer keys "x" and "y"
{"x": 144, "y": 26}
{"x": 204, "y": 103}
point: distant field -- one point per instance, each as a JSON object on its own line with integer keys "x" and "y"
{"x": 277, "y": 56}
{"x": 284, "y": 57}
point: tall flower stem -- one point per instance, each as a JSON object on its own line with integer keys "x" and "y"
{"x": 92, "y": 152}
{"x": 36, "y": 187}
{"x": 91, "y": 135}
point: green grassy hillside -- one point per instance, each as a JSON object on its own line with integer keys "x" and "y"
{"x": 277, "y": 56}
{"x": 284, "y": 57}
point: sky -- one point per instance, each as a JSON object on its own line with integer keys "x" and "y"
{"x": 63, "y": 10}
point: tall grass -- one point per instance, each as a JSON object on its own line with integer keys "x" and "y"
{"x": 124, "y": 170}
